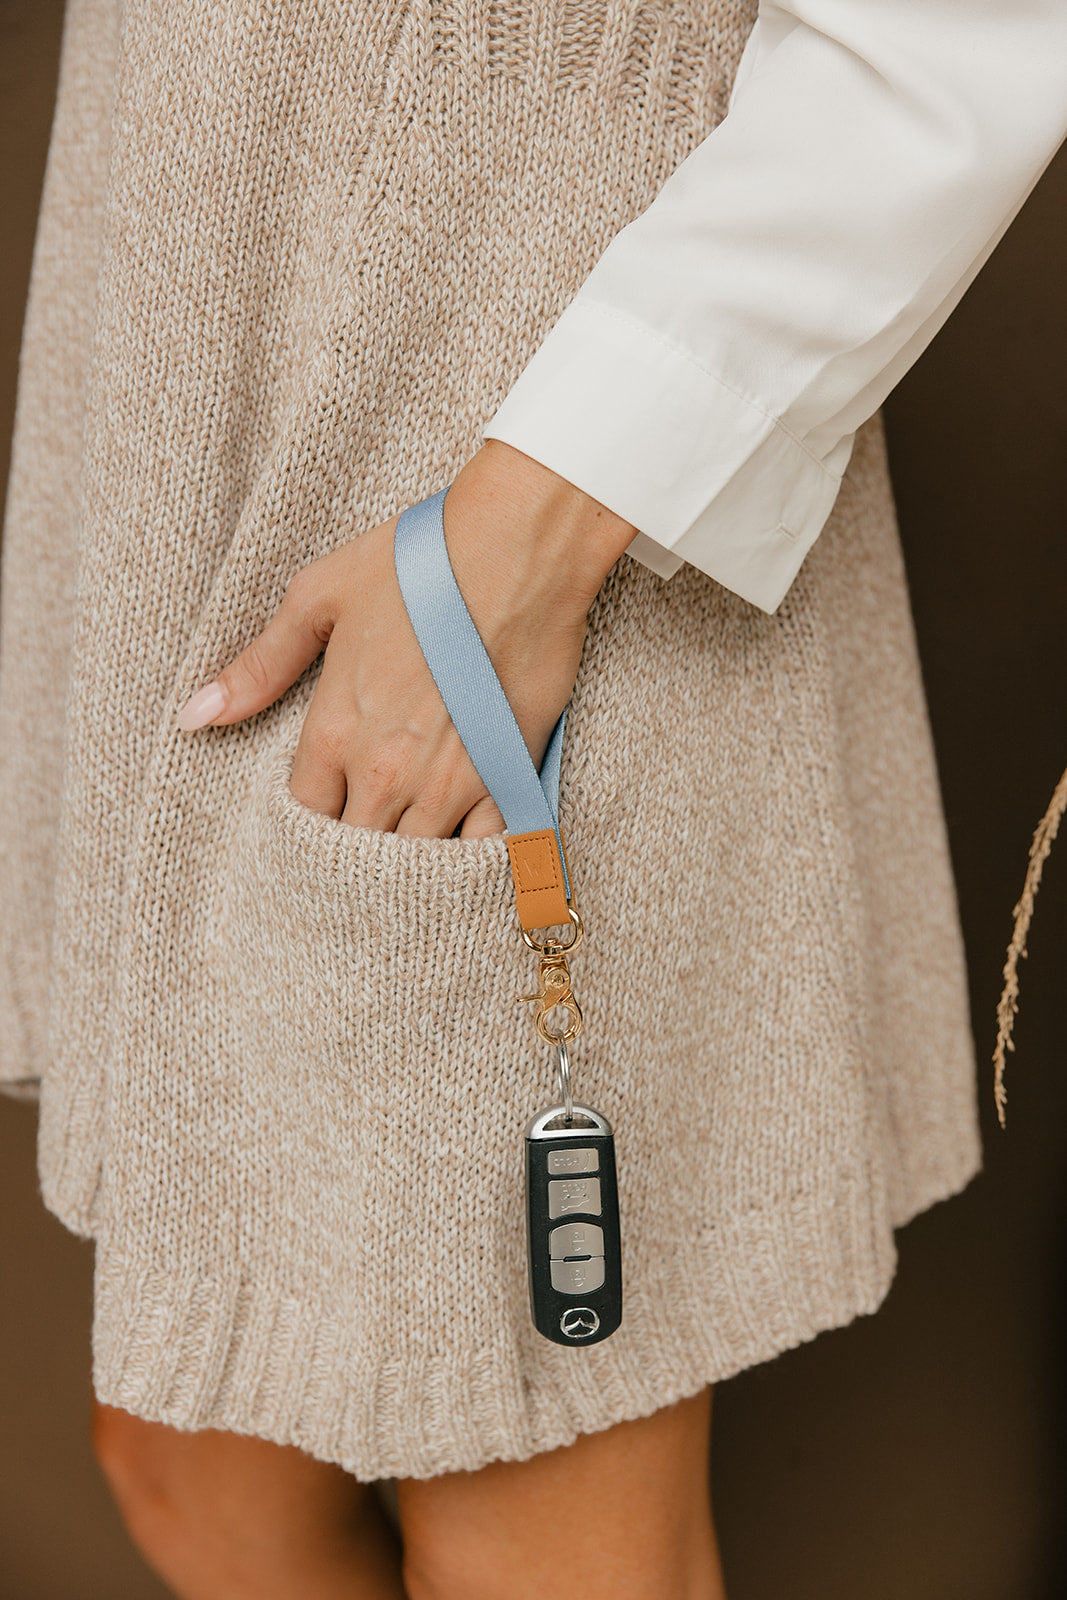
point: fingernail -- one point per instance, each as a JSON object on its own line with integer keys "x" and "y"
{"x": 205, "y": 704}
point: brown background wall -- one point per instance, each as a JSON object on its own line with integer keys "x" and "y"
{"x": 918, "y": 1454}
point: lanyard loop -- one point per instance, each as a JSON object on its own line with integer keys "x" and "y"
{"x": 483, "y": 718}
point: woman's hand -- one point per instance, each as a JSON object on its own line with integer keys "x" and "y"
{"x": 377, "y": 748}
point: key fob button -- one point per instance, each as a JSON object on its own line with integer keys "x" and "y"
{"x": 563, "y": 1161}
{"x": 576, "y": 1239}
{"x": 578, "y": 1277}
{"x": 566, "y": 1195}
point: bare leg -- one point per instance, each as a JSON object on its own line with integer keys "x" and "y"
{"x": 620, "y": 1515}
{"x": 224, "y": 1517}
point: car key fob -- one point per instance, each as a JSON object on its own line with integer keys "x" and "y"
{"x": 572, "y": 1226}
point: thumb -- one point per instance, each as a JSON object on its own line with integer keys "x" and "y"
{"x": 265, "y": 669}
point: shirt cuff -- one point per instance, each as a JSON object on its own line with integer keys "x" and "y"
{"x": 705, "y": 474}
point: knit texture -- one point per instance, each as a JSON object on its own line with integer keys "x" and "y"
{"x": 291, "y": 257}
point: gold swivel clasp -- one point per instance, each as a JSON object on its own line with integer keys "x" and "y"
{"x": 554, "y": 994}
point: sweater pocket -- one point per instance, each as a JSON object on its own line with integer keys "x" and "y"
{"x": 360, "y": 997}
{"x": 367, "y": 930}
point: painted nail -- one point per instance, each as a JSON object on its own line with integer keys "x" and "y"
{"x": 205, "y": 704}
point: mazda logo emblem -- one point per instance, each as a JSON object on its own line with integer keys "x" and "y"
{"x": 579, "y": 1322}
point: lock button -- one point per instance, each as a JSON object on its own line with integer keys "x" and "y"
{"x": 575, "y": 1239}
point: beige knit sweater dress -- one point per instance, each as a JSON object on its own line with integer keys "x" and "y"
{"x": 291, "y": 257}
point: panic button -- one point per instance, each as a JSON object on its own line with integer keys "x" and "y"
{"x": 568, "y": 1195}
{"x": 571, "y": 1161}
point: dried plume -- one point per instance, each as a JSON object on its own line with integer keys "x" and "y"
{"x": 1008, "y": 1005}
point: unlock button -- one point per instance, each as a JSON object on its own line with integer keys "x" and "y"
{"x": 578, "y": 1277}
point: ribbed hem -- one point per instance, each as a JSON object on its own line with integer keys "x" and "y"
{"x": 198, "y": 1352}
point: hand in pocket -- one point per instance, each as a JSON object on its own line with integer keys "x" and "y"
{"x": 377, "y": 748}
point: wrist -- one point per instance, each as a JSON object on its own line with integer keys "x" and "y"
{"x": 516, "y": 529}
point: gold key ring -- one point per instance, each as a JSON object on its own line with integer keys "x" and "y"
{"x": 541, "y": 946}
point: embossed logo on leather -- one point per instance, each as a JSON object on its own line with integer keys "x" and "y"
{"x": 538, "y": 874}
{"x": 534, "y": 858}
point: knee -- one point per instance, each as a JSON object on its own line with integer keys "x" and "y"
{"x": 139, "y": 1467}
{"x": 120, "y": 1448}
{"x": 201, "y": 1504}
{"x": 181, "y": 1497}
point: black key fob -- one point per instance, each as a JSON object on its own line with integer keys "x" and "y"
{"x": 572, "y": 1226}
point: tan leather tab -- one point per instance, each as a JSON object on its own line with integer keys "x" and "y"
{"x": 538, "y": 874}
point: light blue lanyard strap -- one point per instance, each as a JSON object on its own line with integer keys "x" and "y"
{"x": 472, "y": 692}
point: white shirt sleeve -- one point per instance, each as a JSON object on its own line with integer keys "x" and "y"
{"x": 707, "y": 380}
